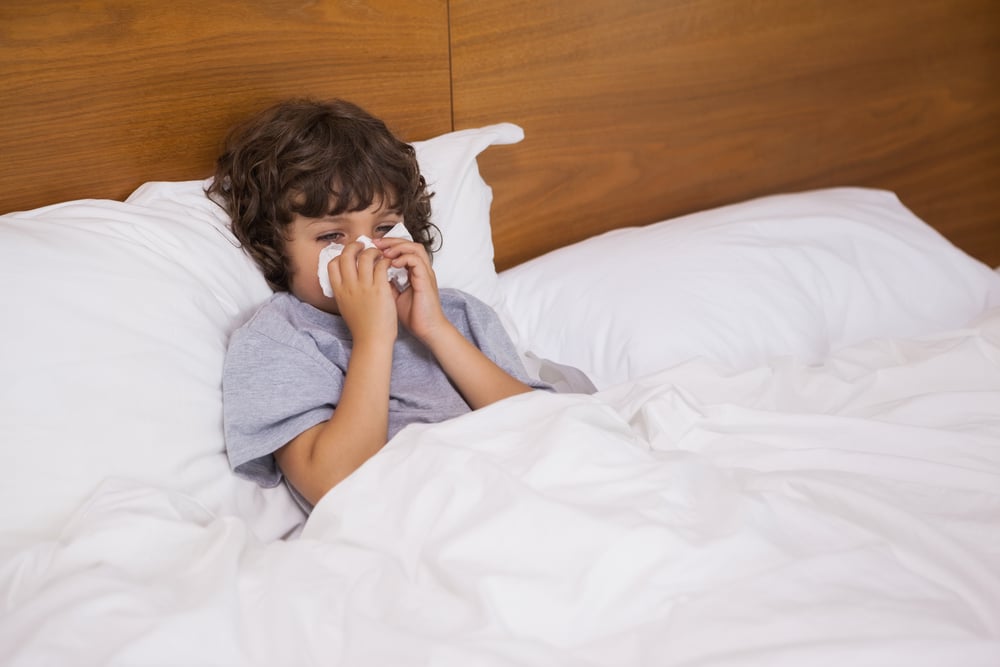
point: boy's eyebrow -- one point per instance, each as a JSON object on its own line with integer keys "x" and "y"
{"x": 326, "y": 219}
{"x": 337, "y": 217}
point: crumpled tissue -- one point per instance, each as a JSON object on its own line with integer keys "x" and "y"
{"x": 399, "y": 277}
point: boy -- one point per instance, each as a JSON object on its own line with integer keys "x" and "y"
{"x": 315, "y": 385}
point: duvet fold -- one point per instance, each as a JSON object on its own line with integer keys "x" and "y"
{"x": 837, "y": 514}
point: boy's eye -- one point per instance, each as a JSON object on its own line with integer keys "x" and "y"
{"x": 382, "y": 230}
{"x": 331, "y": 237}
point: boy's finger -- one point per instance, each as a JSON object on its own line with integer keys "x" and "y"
{"x": 352, "y": 250}
{"x": 395, "y": 247}
{"x": 344, "y": 268}
{"x": 368, "y": 261}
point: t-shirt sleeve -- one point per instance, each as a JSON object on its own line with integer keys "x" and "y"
{"x": 272, "y": 391}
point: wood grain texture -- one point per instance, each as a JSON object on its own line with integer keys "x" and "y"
{"x": 102, "y": 95}
{"x": 641, "y": 110}
{"x": 634, "y": 111}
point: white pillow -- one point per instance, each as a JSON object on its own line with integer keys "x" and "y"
{"x": 796, "y": 274}
{"x": 461, "y": 207}
{"x": 115, "y": 324}
{"x": 116, "y": 320}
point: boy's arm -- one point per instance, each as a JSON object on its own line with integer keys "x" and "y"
{"x": 320, "y": 457}
{"x": 479, "y": 380}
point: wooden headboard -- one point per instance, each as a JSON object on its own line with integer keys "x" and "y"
{"x": 634, "y": 111}
{"x": 100, "y": 96}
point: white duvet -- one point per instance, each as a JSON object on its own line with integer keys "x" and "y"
{"x": 847, "y": 514}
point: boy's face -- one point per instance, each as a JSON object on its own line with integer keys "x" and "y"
{"x": 308, "y": 236}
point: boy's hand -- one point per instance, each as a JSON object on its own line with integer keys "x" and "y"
{"x": 359, "y": 278}
{"x": 419, "y": 307}
{"x": 479, "y": 379}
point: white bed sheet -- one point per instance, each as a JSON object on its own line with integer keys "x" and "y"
{"x": 790, "y": 515}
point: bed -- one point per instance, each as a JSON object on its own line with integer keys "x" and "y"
{"x": 767, "y": 234}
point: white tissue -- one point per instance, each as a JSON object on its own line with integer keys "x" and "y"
{"x": 397, "y": 276}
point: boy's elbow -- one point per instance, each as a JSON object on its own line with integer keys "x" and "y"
{"x": 303, "y": 466}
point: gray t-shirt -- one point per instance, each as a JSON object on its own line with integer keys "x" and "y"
{"x": 285, "y": 369}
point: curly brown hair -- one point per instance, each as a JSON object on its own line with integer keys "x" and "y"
{"x": 294, "y": 156}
